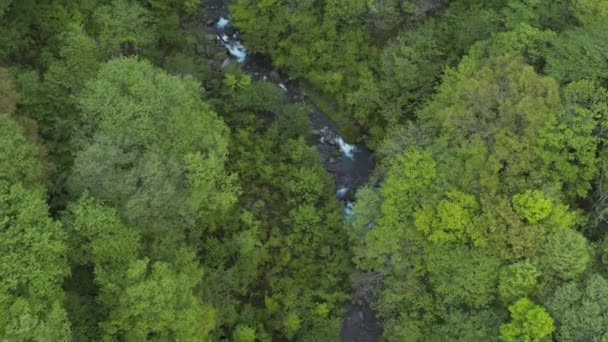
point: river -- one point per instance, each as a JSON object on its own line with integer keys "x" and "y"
{"x": 350, "y": 167}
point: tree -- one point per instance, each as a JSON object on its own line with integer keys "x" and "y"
{"x": 589, "y": 11}
{"x": 32, "y": 266}
{"x": 494, "y": 115}
{"x": 153, "y": 149}
{"x": 565, "y": 254}
{"x": 409, "y": 68}
{"x": 532, "y": 205}
{"x": 460, "y": 275}
{"x": 576, "y": 136}
{"x": 511, "y": 239}
{"x": 580, "y": 311}
{"x": 410, "y": 174}
{"x": 321, "y": 41}
{"x": 476, "y": 188}
{"x": 138, "y": 298}
{"x": 517, "y": 280}
{"x": 579, "y": 54}
{"x": 30, "y": 29}
{"x": 244, "y": 334}
{"x": 78, "y": 61}
{"x": 156, "y": 300}
{"x": 529, "y": 322}
{"x": 467, "y": 326}
{"x": 8, "y": 96}
{"x": 33, "y": 248}
{"x": 367, "y": 207}
{"x": 452, "y": 220}
{"x": 290, "y": 232}
{"x": 19, "y": 159}
{"x": 124, "y": 28}
{"x": 538, "y": 13}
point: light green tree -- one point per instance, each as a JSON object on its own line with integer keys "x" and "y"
{"x": 460, "y": 275}
{"x": 517, "y": 280}
{"x": 529, "y": 322}
{"x": 32, "y": 267}
{"x": 153, "y": 149}
{"x": 532, "y": 205}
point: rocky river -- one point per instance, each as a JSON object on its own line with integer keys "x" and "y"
{"x": 350, "y": 164}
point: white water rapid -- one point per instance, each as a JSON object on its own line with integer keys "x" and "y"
{"x": 231, "y": 43}
{"x": 349, "y": 210}
{"x": 342, "y": 192}
{"x": 222, "y": 23}
{"x": 347, "y": 149}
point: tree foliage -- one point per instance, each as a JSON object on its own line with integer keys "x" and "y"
{"x": 148, "y": 141}
{"x": 151, "y": 190}
{"x": 580, "y": 309}
{"x": 529, "y": 322}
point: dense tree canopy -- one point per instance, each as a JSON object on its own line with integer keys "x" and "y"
{"x": 154, "y": 188}
{"x": 152, "y": 148}
{"x": 33, "y": 261}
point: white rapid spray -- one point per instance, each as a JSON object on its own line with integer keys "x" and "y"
{"x": 222, "y": 23}
{"x": 237, "y": 50}
{"x": 347, "y": 149}
{"x": 342, "y": 192}
{"x": 233, "y": 45}
{"x": 349, "y": 210}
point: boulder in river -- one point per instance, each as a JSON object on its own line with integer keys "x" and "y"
{"x": 274, "y": 76}
{"x": 230, "y": 31}
{"x": 226, "y": 63}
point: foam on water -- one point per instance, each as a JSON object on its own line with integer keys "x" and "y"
{"x": 222, "y": 23}
{"x": 282, "y": 86}
{"x": 342, "y": 192}
{"x": 234, "y": 47}
{"x": 349, "y": 210}
{"x": 237, "y": 50}
{"x": 347, "y": 149}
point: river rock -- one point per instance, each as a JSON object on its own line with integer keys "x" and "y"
{"x": 230, "y": 31}
{"x": 211, "y": 22}
{"x": 210, "y": 37}
{"x": 332, "y": 160}
{"x": 274, "y": 76}
{"x": 226, "y": 63}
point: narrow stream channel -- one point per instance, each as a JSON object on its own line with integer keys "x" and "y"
{"x": 350, "y": 164}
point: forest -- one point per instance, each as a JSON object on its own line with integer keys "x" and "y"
{"x": 310, "y": 170}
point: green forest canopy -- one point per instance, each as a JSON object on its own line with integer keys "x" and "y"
{"x": 146, "y": 193}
